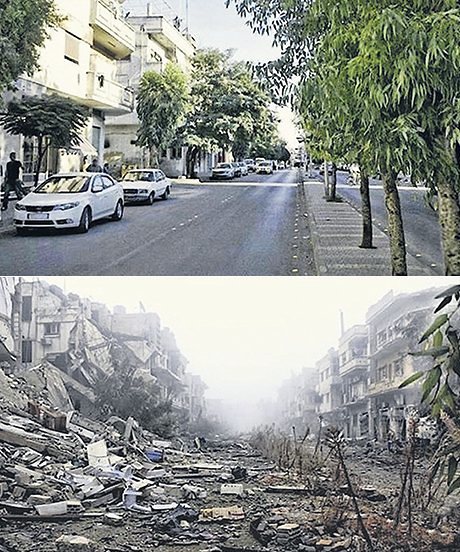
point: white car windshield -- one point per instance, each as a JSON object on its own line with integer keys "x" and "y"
{"x": 146, "y": 176}
{"x": 223, "y": 166}
{"x": 64, "y": 185}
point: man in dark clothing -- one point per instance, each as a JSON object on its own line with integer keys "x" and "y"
{"x": 94, "y": 167}
{"x": 12, "y": 181}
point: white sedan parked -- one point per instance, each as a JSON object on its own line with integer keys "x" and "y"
{"x": 71, "y": 200}
{"x": 145, "y": 185}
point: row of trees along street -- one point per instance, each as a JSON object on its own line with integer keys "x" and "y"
{"x": 219, "y": 106}
{"x": 375, "y": 83}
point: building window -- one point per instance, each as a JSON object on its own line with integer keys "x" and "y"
{"x": 72, "y": 48}
{"x": 52, "y": 328}
{"x": 398, "y": 368}
{"x": 26, "y": 353}
{"x": 26, "y": 310}
{"x": 382, "y": 373}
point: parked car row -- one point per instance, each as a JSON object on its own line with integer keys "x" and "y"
{"x": 230, "y": 170}
{"x": 75, "y": 200}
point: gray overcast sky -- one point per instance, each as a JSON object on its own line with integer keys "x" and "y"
{"x": 245, "y": 335}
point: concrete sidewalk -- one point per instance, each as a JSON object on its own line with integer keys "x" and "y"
{"x": 336, "y": 234}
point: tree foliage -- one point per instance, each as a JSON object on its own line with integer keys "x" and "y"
{"x": 379, "y": 79}
{"x": 229, "y": 108}
{"x": 52, "y": 120}
{"x": 161, "y": 106}
{"x": 24, "y": 27}
{"x": 441, "y": 383}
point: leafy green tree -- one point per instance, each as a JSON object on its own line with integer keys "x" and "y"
{"x": 24, "y": 27}
{"x": 441, "y": 383}
{"x": 161, "y": 106}
{"x": 52, "y": 120}
{"x": 229, "y": 108}
{"x": 398, "y": 63}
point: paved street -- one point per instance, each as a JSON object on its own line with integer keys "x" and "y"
{"x": 245, "y": 227}
{"x": 420, "y": 222}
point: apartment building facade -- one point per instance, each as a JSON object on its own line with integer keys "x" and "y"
{"x": 79, "y": 61}
{"x": 329, "y": 386}
{"x": 159, "y": 41}
{"x": 354, "y": 372}
{"x": 359, "y": 383}
{"x": 395, "y": 326}
{"x": 298, "y": 400}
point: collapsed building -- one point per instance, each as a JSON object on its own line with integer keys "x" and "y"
{"x": 63, "y": 345}
{"x": 358, "y": 387}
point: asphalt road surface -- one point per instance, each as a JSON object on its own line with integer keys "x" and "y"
{"x": 244, "y": 227}
{"x": 423, "y": 236}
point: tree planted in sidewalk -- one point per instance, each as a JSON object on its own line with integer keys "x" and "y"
{"x": 24, "y": 28}
{"x": 400, "y": 60}
{"x": 161, "y": 106}
{"x": 55, "y": 122}
{"x": 336, "y": 442}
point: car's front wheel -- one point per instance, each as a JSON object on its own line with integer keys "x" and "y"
{"x": 166, "y": 193}
{"x": 151, "y": 198}
{"x": 119, "y": 210}
{"x": 85, "y": 221}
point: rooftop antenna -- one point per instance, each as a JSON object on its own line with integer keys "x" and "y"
{"x": 187, "y": 17}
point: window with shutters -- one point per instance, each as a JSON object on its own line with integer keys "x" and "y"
{"x": 72, "y": 48}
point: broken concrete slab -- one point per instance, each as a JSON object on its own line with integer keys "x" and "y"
{"x": 229, "y": 513}
{"x": 77, "y": 543}
{"x": 232, "y": 489}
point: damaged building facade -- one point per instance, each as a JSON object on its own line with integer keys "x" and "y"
{"x": 64, "y": 345}
{"x": 358, "y": 383}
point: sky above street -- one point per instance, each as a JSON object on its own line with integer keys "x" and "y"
{"x": 214, "y": 25}
{"x": 244, "y": 336}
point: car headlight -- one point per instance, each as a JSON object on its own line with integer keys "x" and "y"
{"x": 143, "y": 191}
{"x": 66, "y": 206}
{"x": 20, "y": 207}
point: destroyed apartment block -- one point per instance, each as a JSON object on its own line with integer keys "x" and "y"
{"x": 357, "y": 387}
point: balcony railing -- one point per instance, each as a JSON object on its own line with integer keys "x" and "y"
{"x": 109, "y": 95}
{"x": 354, "y": 364}
{"x": 111, "y": 32}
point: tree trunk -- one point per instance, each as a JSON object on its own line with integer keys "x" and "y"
{"x": 333, "y": 183}
{"x": 327, "y": 189}
{"x": 192, "y": 154}
{"x": 449, "y": 219}
{"x": 40, "y": 155}
{"x": 395, "y": 225}
{"x": 366, "y": 211}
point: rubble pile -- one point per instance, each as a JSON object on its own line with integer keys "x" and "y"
{"x": 70, "y": 483}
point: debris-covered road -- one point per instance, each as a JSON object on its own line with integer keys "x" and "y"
{"x": 69, "y": 483}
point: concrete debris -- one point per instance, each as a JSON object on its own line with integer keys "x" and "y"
{"x": 81, "y": 485}
{"x": 230, "y": 513}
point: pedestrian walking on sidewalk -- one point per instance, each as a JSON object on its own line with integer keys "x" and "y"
{"x": 12, "y": 181}
{"x": 94, "y": 167}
